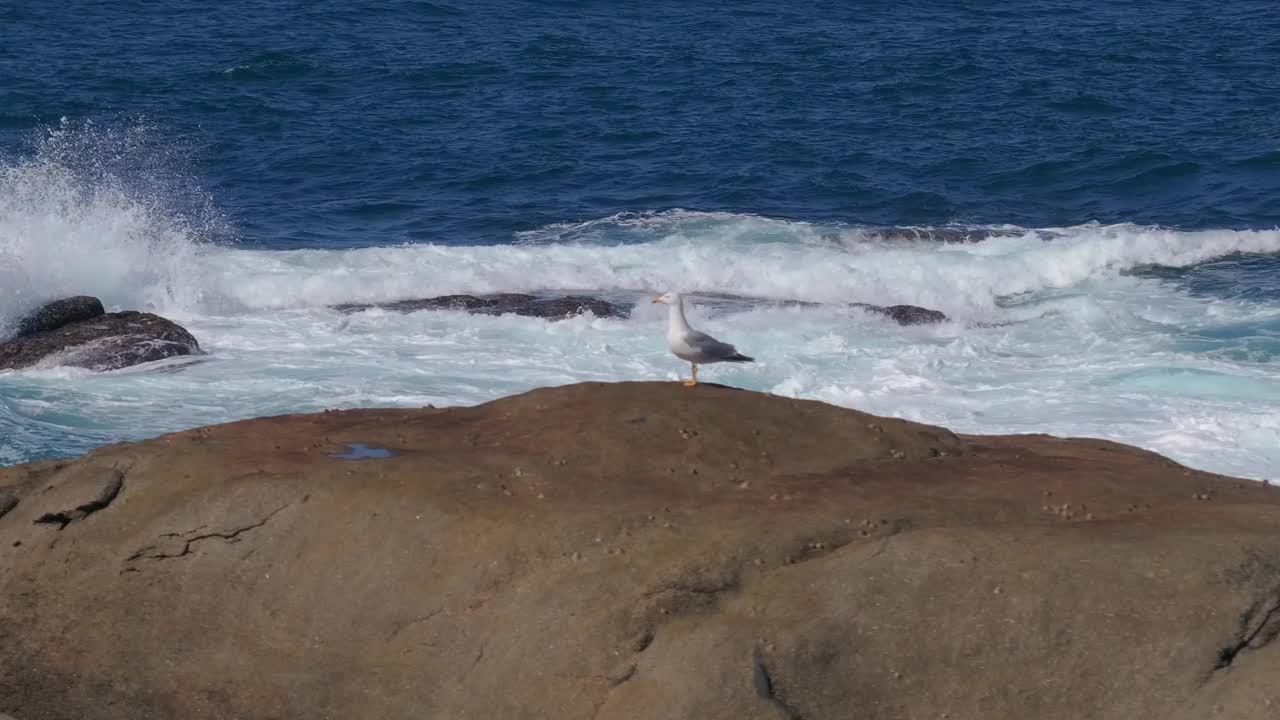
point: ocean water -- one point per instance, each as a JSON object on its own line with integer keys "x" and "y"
{"x": 1092, "y": 195}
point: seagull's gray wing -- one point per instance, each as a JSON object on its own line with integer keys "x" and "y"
{"x": 709, "y": 347}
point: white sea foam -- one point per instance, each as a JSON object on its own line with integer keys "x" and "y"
{"x": 133, "y": 263}
{"x": 1083, "y": 346}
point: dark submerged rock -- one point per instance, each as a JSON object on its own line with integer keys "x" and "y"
{"x": 502, "y": 304}
{"x": 569, "y": 305}
{"x": 935, "y": 234}
{"x": 901, "y": 314}
{"x": 905, "y": 314}
{"x": 59, "y": 313}
{"x": 105, "y": 342}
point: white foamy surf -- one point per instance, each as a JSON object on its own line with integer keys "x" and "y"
{"x": 1051, "y": 330}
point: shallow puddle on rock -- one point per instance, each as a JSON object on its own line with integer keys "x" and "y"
{"x": 360, "y": 451}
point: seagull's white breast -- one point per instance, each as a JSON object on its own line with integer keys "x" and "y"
{"x": 680, "y": 347}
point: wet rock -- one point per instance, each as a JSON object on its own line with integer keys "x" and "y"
{"x": 904, "y": 314}
{"x": 934, "y": 234}
{"x": 106, "y": 342}
{"x": 901, "y": 314}
{"x": 502, "y": 304}
{"x": 60, "y": 312}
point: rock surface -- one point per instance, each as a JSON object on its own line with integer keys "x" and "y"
{"x": 632, "y": 551}
{"x": 934, "y": 234}
{"x": 570, "y": 305}
{"x": 106, "y": 342}
{"x": 901, "y": 314}
{"x": 905, "y": 314}
{"x": 502, "y": 304}
{"x": 60, "y": 312}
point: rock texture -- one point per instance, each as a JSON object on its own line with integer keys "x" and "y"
{"x": 562, "y": 307}
{"x": 905, "y": 314}
{"x": 901, "y": 314}
{"x": 634, "y": 551}
{"x": 60, "y": 312}
{"x": 106, "y": 342}
{"x": 502, "y": 304}
{"x": 934, "y": 234}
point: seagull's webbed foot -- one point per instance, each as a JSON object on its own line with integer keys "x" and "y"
{"x": 688, "y": 383}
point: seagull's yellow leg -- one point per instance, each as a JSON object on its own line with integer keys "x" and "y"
{"x": 694, "y": 381}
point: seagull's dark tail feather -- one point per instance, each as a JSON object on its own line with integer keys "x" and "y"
{"x": 739, "y": 357}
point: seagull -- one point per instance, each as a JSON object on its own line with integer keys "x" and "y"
{"x": 690, "y": 345}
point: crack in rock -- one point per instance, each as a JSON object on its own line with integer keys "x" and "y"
{"x": 1259, "y": 625}
{"x": 617, "y": 679}
{"x": 404, "y": 625}
{"x": 104, "y": 498}
{"x": 475, "y": 662}
{"x": 230, "y": 536}
{"x": 767, "y": 689}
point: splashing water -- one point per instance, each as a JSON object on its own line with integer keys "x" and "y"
{"x": 102, "y": 211}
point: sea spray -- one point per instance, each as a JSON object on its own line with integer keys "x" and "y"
{"x": 104, "y": 210}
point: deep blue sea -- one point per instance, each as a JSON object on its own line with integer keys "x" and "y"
{"x": 1091, "y": 191}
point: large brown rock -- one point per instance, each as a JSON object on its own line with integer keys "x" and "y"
{"x": 105, "y": 342}
{"x": 633, "y": 551}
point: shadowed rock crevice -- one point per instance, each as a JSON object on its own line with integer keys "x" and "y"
{"x": 766, "y": 688}
{"x": 7, "y": 503}
{"x": 1259, "y": 626}
{"x": 109, "y": 491}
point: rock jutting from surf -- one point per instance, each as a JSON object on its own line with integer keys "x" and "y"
{"x": 565, "y": 306}
{"x": 554, "y": 308}
{"x": 78, "y": 332}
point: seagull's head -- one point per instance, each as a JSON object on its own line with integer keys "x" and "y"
{"x": 671, "y": 298}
